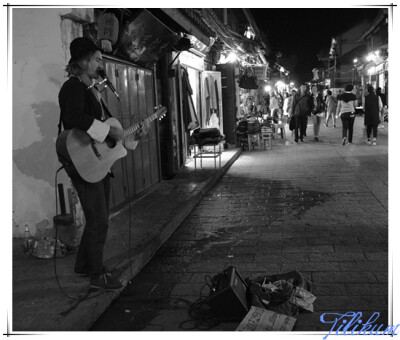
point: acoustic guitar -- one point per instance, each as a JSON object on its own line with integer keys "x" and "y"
{"x": 93, "y": 160}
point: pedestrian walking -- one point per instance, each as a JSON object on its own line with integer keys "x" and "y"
{"x": 299, "y": 111}
{"x": 372, "y": 107}
{"x": 317, "y": 107}
{"x": 331, "y": 105}
{"x": 383, "y": 100}
{"x": 274, "y": 106}
{"x": 346, "y": 110}
{"x": 289, "y": 110}
{"x": 285, "y": 105}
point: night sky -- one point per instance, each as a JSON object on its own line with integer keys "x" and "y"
{"x": 300, "y": 33}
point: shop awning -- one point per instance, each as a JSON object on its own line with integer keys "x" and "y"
{"x": 187, "y": 24}
{"x": 234, "y": 41}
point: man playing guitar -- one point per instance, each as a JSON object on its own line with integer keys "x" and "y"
{"x": 83, "y": 109}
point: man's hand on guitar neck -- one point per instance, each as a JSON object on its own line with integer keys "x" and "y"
{"x": 116, "y": 133}
{"x": 144, "y": 129}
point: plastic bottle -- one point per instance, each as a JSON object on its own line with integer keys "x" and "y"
{"x": 28, "y": 240}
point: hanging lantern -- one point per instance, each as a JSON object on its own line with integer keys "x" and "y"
{"x": 107, "y": 32}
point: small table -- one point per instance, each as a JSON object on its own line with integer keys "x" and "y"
{"x": 199, "y": 152}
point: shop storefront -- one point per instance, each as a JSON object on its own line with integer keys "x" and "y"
{"x": 377, "y": 75}
{"x": 197, "y": 100}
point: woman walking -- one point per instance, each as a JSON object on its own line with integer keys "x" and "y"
{"x": 346, "y": 109}
{"x": 317, "y": 108}
{"x": 373, "y": 106}
{"x": 331, "y": 104}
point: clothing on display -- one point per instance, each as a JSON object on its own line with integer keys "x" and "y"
{"x": 189, "y": 112}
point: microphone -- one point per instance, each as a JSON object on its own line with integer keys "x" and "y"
{"x": 103, "y": 74}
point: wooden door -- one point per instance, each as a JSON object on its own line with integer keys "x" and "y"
{"x": 140, "y": 169}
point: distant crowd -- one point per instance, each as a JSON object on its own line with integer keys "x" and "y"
{"x": 304, "y": 103}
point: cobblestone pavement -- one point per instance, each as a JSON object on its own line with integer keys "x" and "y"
{"x": 320, "y": 208}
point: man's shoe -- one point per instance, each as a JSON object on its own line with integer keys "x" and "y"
{"x": 106, "y": 282}
{"x": 374, "y": 141}
{"x": 82, "y": 272}
{"x": 316, "y": 139}
{"x": 85, "y": 271}
{"x": 326, "y": 125}
{"x": 369, "y": 141}
{"x": 334, "y": 126}
{"x": 344, "y": 140}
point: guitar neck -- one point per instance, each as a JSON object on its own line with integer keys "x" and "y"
{"x": 133, "y": 128}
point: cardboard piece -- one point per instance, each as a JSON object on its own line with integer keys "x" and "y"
{"x": 259, "y": 319}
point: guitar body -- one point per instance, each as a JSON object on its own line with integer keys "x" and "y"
{"x": 79, "y": 153}
{"x": 92, "y": 160}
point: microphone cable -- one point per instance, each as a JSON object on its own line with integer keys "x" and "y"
{"x": 125, "y": 165}
{"x": 86, "y": 295}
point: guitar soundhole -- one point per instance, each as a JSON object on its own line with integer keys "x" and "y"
{"x": 111, "y": 143}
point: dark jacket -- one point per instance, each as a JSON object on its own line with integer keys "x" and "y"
{"x": 371, "y": 109}
{"x": 300, "y": 104}
{"x": 78, "y": 105}
{"x": 346, "y": 97}
{"x": 318, "y": 107}
{"x": 382, "y": 96}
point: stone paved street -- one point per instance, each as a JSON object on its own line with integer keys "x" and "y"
{"x": 320, "y": 208}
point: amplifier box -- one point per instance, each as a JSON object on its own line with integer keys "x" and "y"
{"x": 228, "y": 298}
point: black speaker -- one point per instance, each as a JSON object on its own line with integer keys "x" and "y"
{"x": 228, "y": 296}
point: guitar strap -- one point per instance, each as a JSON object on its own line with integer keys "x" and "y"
{"x": 105, "y": 108}
{"x": 59, "y": 125}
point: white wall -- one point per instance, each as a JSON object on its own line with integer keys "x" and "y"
{"x": 40, "y": 51}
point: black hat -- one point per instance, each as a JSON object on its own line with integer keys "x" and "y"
{"x": 80, "y": 47}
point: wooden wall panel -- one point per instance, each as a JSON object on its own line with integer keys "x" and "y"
{"x": 140, "y": 169}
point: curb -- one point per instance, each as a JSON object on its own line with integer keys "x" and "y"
{"x": 87, "y": 312}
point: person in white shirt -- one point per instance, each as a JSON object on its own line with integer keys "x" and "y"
{"x": 331, "y": 104}
{"x": 346, "y": 110}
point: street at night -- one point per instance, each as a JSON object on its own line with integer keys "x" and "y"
{"x": 320, "y": 209}
{"x": 202, "y": 169}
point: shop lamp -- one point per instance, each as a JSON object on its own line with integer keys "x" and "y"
{"x": 291, "y": 83}
{"x": 377, "y": 53}
{"x": 355, "y": 61}
{"x": 372, "y": 70}
{"x": 107, "y": 31}
{"x": 282, "y": 69}
{"x": 249, "y": 33}
{"x": 267, "y": 88}
{"x": 231, "y": 58}
{"x": 370, "y": 57}
{"x": 222, "y": 59}
{"x": 280, "y": 84}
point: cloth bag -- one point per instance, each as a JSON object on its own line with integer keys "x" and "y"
{"x": 248, "y": 80}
